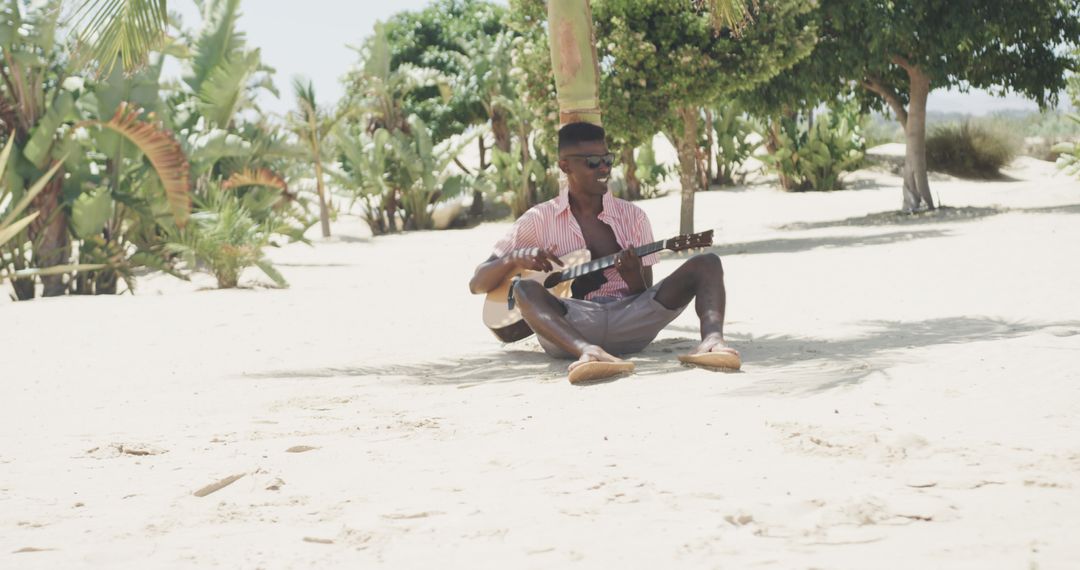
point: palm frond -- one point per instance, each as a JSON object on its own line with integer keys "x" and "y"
{"x": 730, "y": 14}
{"x": 255, "y": 177}
{"x": 125, "y": 30}
{"x": 162, "y": 149}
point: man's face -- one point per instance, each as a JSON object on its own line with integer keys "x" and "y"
{"x": 575, "y": 162}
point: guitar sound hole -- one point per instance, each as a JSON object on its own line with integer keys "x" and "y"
{"x": 552, "y": 280}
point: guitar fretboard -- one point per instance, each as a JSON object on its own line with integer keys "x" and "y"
{"x": 606, "y": 261}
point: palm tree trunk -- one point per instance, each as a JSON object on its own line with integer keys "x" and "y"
{"x": 574, "y": 61}
{"x": 49, "y": 234}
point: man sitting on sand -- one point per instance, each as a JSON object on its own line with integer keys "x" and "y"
{"x": 627, "y": 311}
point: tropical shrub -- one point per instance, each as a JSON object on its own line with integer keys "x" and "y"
{"x": 398, "y": 176}
{"x": 526, "y": 181}
{"x": 650, "y": 173}
{"x": 815, "y": 157}
{"x": 970, "y": 149}
{"x": 224, "y": 238}
{"x": 736, "y": 141}
{"x": 13, "y": 237}
{"x": 1069, "y": 153}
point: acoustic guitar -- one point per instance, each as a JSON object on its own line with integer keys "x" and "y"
{"x": 580, "y": 276}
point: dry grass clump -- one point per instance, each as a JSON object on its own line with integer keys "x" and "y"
{"x": 970, "y": 150}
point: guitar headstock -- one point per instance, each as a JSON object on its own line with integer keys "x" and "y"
{"x": 691, "y": 241}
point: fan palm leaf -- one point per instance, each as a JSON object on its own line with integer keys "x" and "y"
{"x": 161, "y": 149}
{"x": 255, "y": 177}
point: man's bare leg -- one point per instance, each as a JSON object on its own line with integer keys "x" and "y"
{"x": 701, "y": 278}
{"x": 546, "y": 316}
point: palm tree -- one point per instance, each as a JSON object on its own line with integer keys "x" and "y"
{"x": 313, "y": 125}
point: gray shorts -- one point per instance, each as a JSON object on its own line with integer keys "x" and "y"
{"x": 619, "y": 326}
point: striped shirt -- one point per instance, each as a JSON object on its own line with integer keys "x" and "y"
{"x": 552, "y": 225}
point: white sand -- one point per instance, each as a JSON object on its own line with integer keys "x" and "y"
{"x": 910, "y": 399}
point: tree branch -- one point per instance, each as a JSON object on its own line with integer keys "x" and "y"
{"x": 890, "y": 96}
{"x": 462, "y": 166}
{"x": 902, "y": 62}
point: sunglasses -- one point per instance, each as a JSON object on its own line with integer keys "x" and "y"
{"x": 594, "y": 161}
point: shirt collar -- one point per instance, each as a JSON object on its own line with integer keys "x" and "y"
{"x": 563, "y": 200}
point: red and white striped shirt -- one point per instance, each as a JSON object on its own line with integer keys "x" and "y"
{"x": 552, "y": 225}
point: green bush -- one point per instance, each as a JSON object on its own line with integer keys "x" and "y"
{"x": 971, "y": 150}
{"x": 1069, "y": 153}
{"x": 734, "y": 141}
{"x": 814, "y": 158}
{"x": 879, "y": 130}
{"x": 224, "y": 237}
{"x": 650, "y": 174}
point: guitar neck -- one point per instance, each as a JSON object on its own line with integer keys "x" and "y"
{"x": 607, "y": 261}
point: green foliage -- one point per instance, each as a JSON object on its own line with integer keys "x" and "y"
{"x": 1002, "y": 46}
{"x": 399, "y": 176}
{"x": 970, "y": 149}
{"x": 466, "y": 42}
{"x": 815, "y": 157}
{"x": 663, "y": 60}
{"x": 421, "y": 172}
{"x": 524, "y": 181}
{"x": 879, "y": 130}
{"x": 1069, "y": 153}
{"x": 650, "y": 173}
{"x": 126, "y": 30}
{"x": 381, "y": 91}
{"x": 224, "y": 238}
{"x": 116, "y": 130}
{"x": 736, "y": 140}
{"x": 897, "y": 51}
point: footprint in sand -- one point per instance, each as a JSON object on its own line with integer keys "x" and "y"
{"x": 300, "y": 448}
{"x": 118, "y": 449}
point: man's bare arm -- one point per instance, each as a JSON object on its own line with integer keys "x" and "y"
{"x": 491, "y": 273}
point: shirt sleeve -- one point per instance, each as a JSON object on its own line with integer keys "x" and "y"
{"x": 643, "y": 230}
{"x": 522, "y": 234}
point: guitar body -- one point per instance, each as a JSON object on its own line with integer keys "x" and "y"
{"x": 505, "y": 321}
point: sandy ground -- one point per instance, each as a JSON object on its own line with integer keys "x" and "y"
{"x": 910, "y": 399}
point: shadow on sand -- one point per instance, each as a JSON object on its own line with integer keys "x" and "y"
{"x": 791, "y": 365}
{"x": 793, "y": 245}
{"x": 944, "y": 214}
{"x": 778, "y": 365}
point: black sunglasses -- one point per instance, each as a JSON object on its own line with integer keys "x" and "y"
{"x": 594, "y": 161}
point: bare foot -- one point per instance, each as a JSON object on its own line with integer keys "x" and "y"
{"x": 715, "y": 354}
{"x": 593, "y": 353}
{"x": 597, "y": 364}
{"x": 713, "y": 343}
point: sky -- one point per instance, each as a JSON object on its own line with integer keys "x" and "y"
{"x": 309, "y": 38}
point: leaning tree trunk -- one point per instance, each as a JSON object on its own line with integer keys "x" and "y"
{"x": 686, "y": 145}
{"x": 49, "y": 234}
{"x": 633, "y": 185}
{"x": 573, "y": 61}
{"x": 916, "y": 182}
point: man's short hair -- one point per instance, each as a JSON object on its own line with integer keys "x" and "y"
{"x": 573, "y": 134}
